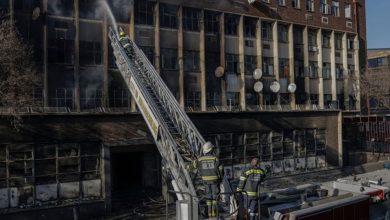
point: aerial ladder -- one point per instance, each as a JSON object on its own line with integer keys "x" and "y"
{"x": 176, "y": 137}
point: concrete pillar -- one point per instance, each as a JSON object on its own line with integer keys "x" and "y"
{"x": 180, "y": 55}
{"x": 340, "y": 138}
{"x": 306, "y": 62}
{"x": 320, "y": 66}
{"x": 133, "y": 105}
{"x": 157, "y": 37}
{"x": 202, "y": 62}
{"x": 333, "y": 66}
{"x": 259, "y": 54}
{"x": 357, "y": 71}
{"x": 105, "y": 61}
{"x": 291, "y": 62}
{"x": 222, "y": 55}
{"x": 276, "y": 54}
{"x": 345, "y": 67}
{"x": 45, "y": 59}
{"x": 241, "y": 58}
{"x": 77, "y": 56}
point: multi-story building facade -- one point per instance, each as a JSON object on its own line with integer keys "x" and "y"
{"x": 317, "y": 45}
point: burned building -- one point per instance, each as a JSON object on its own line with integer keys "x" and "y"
{"x": 88, "y": 146}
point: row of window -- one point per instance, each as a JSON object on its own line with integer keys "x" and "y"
{"x": 327, "y": 7}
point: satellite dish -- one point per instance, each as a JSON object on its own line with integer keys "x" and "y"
{"x": 257, "y": 74}
{"x": 292, "y": 87}
{"x": 219, "y": 72}
{"x": 258, "y": 86}
{"x": 275, "y": 87}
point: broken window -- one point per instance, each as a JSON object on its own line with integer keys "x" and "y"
{"x": 339, "y": 71}
{"x": 231, "y": 24}
{"x": 60, "y": 7}
{"x": 314, "y": 99}
{"x": 313, "y": 70}
{"x": 326, "y": 70}
{"x": 168, "y": 16}
{"x": 143, "y": 12}
{"x": 312, "y": 38}
{"x": 299, "y": 69}
{"x": 338, "y": 41}
{"x": 298, "y": 36}
{"x": 191, "y": 19}
{"x": 211, "y": 21}
{"x": 191, "y": 60}
{"x": 169, "y": 59}
{"x": 91, "y": 87}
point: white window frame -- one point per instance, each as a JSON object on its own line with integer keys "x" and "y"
{"x": 282, "y": 2}
{"x": 310, "y": 5}
{"x": 335, "y": 8}
{"x": 347, "y": 10}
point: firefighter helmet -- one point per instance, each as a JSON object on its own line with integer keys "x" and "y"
{"x": 122, "y": 33}
{"x": 207, "y": 147}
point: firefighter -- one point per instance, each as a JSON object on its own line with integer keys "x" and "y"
{"x": 210, "y": 172}
{"x": 125, "y": 42}
{"x": 250, "y": 180}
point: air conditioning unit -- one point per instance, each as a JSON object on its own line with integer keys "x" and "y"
{"x": 325, "y": 20}
{"x": 312, "y": 48}
{"x": 349, "y": 24}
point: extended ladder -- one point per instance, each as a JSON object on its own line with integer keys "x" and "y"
{"x": 176, "y": 137}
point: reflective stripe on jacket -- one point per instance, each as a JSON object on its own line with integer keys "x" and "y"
{"x": 209, "y": 168}
{"x": 250, "y": 180}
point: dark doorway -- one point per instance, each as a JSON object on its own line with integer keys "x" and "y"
{"x": 126, "y": 171}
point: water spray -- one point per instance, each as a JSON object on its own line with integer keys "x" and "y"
{"x": 105, "y": 5}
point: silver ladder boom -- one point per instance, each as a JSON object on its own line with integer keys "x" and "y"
{"x": 176, "y": 137}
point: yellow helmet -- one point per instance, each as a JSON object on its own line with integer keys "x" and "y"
{"x": 122, "y": 34}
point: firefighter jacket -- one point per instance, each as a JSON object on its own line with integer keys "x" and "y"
{"x": 125, "y": 42}
{"x": 209, "y": 168}
{"x": 250, "y": 180}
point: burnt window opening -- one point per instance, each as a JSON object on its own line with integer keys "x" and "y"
{"x": 191, "y": 61}
{"x": 61, "y": 41}
{"x": 90, "y": 9}
{"x": 60, "y": 7}
{"x": 211, "y": 22}
{"x": 149, "y": 53}
{"x": 121, "y": 10}
{"x": 232, "y": 63}
{"x": 270, "y": 98}
{"x": 144, "y": 12}
{"x": 90, "y": 53}
{"x": 168, "y": 16}
{"x": 250, "y": 64}
{"x": 266, "y": 31}
{"x": 327, "y": 100}
{"x": 91, "y": 87}
{"x": 169, "y": 59}
{"x": 191, "y": 19}
{"x": 231, "y": 24}
{"x": 282, "y": 34}
{"x": 268, "y": 66}
{"x": 250, "y": 27}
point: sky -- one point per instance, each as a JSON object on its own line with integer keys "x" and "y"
{"x": 378, "y": 23}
